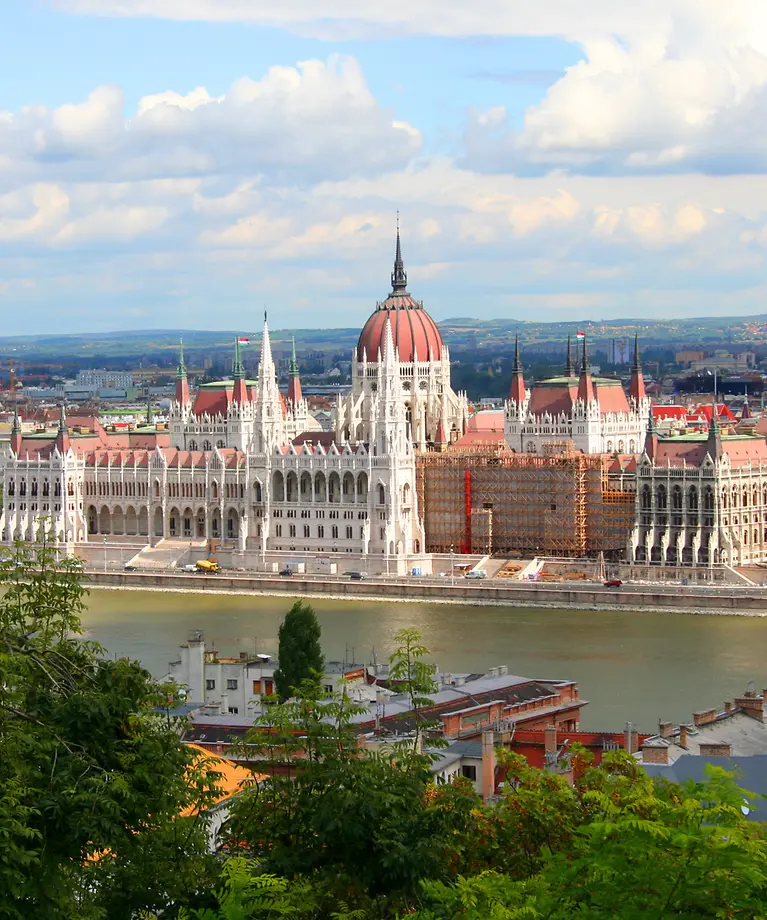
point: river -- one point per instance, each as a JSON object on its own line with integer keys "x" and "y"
{"x": 636, "y": 667}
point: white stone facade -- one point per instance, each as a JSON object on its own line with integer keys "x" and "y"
{"x": 240, "y": 476}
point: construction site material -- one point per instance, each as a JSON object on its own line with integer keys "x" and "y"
{"x": 493, "y": 500}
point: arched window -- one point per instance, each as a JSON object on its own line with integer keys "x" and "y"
{"x": 257, "y": 491}
{"x": 644, "y": 498}
{"x": 219, "y": 443}
{"x": 676, "y": 498}
{"x": 206, "y": 445}
{"x": 381, "y": 495}
{"x": 708, "y": 499}
{"x": 193, "y": 445}
{"x": 692, "y": 499}
{"x": 661, "y": 498}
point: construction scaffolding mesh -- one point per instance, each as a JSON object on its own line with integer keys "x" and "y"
{"x": 488, "y": 499}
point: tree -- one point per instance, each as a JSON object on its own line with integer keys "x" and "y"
{"x": 300, "y": 656}
{"x": 366, "y": 827}
{"x": 92, "y": 778}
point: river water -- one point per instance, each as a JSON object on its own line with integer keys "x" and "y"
{"x": 636, "y": 667}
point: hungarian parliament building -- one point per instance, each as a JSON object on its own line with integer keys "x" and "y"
{"x": 247, "y": 469}
{"x": 244, "y": 464}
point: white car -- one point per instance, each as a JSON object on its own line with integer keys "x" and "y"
{"x": 476, "y": 573}
{"x": 191, "y": 567}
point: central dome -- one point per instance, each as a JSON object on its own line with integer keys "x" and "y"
{"x": 415, "y": 334}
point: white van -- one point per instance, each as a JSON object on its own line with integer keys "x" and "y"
{"x": 476, "y": 573}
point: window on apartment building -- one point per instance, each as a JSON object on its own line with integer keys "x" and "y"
{"x": 306, "y": 530}
{"x": 334, "y": 532}
{"x": 231, "y": 683}
{"x": 349, "y": 533}
{"x": 470, "y": 772}
{"x": 278, "y": 530}
{"x": 210, "y": 685}
{"x": 292, "y": 529}
{"x": 320, "y": 531}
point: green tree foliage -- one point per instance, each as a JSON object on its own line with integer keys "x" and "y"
{"x": 300, "y": 655}
{"x": 92, "y": 779}
{"x": 365, "y": 828}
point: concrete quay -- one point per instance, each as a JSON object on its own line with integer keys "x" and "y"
{"x": 722, "y": 600}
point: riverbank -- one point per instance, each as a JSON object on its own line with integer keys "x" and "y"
{"x": 659, "y": 598}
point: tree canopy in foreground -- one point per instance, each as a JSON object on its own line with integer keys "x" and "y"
{"x": 94, "y": 781}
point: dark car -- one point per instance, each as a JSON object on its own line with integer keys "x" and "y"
{"x": 613, "y": 583}
{"x": 356, "y": 576}
{"x": 129, "y": 568}
{"x": 287, "y": 573}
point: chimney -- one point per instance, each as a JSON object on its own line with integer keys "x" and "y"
{"x": 683, "y": 736}
{"x": 665, "y": 729}
{"x": 728, "y": 706}
{"x": 716, "y": 749}
{"x": 488, "y": 765}
{"x": 630, "y": 739}
{"x": 550, "y": 739}
{"x": 655, "y": 752}
{"x": 752, "y": 705}
{"x": 704, "y": 717}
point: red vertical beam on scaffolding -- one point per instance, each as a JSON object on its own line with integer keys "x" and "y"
{"x": 466, "y": 548}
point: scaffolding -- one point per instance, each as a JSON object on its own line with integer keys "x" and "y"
{"x": 490, "y": 499}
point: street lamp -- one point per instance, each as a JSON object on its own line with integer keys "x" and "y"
{"x": 105, "y": 554}
{"x": 452, "y": 576}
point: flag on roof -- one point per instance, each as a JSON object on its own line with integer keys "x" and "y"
{"x": 242, "y": 340}
{"x": 580, "y": 335}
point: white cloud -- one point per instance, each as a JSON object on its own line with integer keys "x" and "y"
{"x": 303, "y": 123}
{"x": 449, "y": 18}
{"x": 686, "y": 93}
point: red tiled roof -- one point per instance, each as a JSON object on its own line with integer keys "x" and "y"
{"x": 414, "y": 332}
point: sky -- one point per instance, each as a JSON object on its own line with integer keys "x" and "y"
{"x": 188, "y": 163}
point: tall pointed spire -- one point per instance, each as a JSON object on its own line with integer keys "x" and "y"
{"x": 182, "y": 384}
{"x": 240, "y": 391}
{"x": 238, "y": 371}
{"x": 181, "y": 369}
{"x": 295, "y": 394}
{"x": 585, "y": 383}
{"x": 399, "y": 275}
{"x": 62, "y": 438}
{"x": 517, "y": 392}
{"x": 651, "y": 438}
{"x": 16, "y": 434}
{"x": 636, "y": 387}
{"x": 714, "y": 442}
{"x": 266, "y": 363}
{"x": 569, "y": 364}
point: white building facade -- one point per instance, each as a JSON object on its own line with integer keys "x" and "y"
{"x": 243, "y": 466}
{"x": 593, "y": 412}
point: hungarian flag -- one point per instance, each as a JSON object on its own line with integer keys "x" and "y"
{"x": 580, "y": 335}
{"x": 242, "y": 340}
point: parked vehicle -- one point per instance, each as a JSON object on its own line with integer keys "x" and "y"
{"x": 129, "y": 568}
{"x": 613, "y": 583}
{"x": 208, "y": 566}
{"x": 287, "y": 573}
{"x": 476, "y": 573}
{"x": 189, "y": 567}
{"x": 357, "y": 576}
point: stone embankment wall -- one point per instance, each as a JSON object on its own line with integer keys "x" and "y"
{"x": 684, "y": 599}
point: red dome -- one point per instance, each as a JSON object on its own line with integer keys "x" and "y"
{"x": 414, "y": 332}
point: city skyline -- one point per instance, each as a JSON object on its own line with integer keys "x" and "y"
{"x": 181, "y": 169}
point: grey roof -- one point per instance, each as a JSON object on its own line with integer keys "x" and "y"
{"x": 750, "y": 774}
{"x": 746, "y": 734}
{"x": 454, "y": 752}
{"x": 400, "y": 703}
